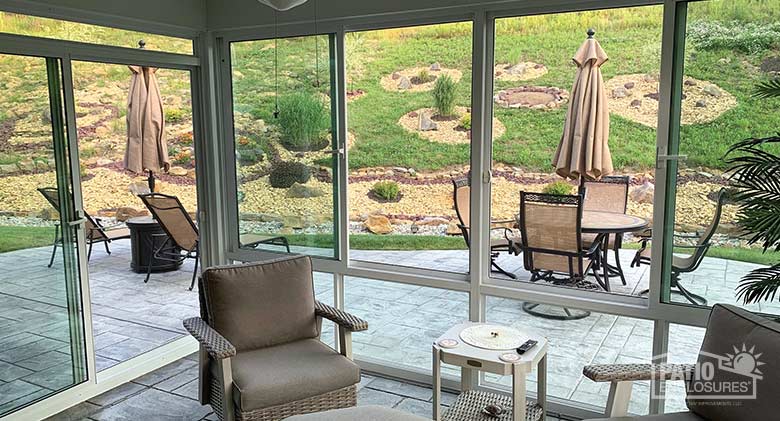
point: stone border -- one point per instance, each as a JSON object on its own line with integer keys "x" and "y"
{"x": 531, "y": 70}
{"x": 389, "y": 83}
{"x": 447, "y": 131}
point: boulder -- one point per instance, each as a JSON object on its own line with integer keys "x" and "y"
{"x": 636, "y": 103}
{"x": 689, "y": 82}
{"x": 432, "y": 220}
{"x": 8, "y": 169}
{"x": 712, "y": 90}
{"x": 701, "y": 104}
{"x": 404, "y": 83}
{"x": 426, "y": 124}
{"x": 126, "y": 212}
{"x": 643, "y": 193}
{"x": 378, "y": 224}
{"x": 517, "y": 69}
{"x": 302, "y": 191}
{"x": 620, "y": 92}
{"x": 177, "y": 171}
{"x": 629, "y": 85}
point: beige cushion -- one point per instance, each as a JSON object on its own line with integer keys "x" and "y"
{"x": 674, "y": 416}
{"x": 727, "y": 328}
{"x": 361, "y": 413}
{"x": 289, "y": 372}
{"x": 261, "y": 304}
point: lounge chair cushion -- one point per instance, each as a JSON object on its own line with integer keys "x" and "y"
{"x": 730, "y": 328}
{"x": 674, "y": 416}
{"x": 360, "y": 413}
{"x": 289, "y": 372}
{"x": 261, "y": 304}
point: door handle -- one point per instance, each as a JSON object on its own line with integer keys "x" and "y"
{"x": 339, "y": 151}
{"x": 79, "y": 221}
{"x": 663, "y": 158}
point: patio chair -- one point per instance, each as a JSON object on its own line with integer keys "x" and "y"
{"x": 182, "y": 236}
{"x": 551, "y": 232}
{"x": 461, "y": 196}
{"x": 729, "y": 328}
{"x": 96, "y": 232}
{"x": 260, "y": 353}
{"x": 608, "y": 194}
{"x": 684, "y": 264}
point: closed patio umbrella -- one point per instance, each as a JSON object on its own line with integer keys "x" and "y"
{"x": 146, "y": 147}
{"x": 583, "y": 150}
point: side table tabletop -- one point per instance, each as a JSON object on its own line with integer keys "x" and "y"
{"x": 471, "y": 403}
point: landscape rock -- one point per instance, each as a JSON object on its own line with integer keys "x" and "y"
{"x": 629, "y": 85}
{"x": 8, "y": 168}
{"x": 177, "y": 171}
{"x": 701, "y": 104}
{"x": 636, "y": 103}
{"x": 49, "y": 214}
{"x": 126, "y": 212}
{"x": 712, "y": 90}
{"x": 138, "y": 188}
{"x": 689, "y": 82}
{"x": 620, "y": 92}
{"x": 643, "y": 193}
{"x": 426, "y": 123}
{"x": 378, "y": 224}
{"x": 453, "y": 229}
{"x": 436, "y": 67}
{"x": 395, "y": 76}
{"x": 104, "y": 161}
{"x": 517, "y": 69}
{"x": 404, "y": 83}
{"x": 302, "y": 191}
{"x": 432, "y": 220}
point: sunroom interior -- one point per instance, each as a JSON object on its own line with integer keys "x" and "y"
{"x": 390, "y": 143}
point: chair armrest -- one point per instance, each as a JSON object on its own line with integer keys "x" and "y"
{"x": 341, "y": 318}
{"x": 216, "y": 345}
{"x": 632, "y": 372}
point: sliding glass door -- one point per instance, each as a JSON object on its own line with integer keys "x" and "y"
{"x": 42, "y": 345}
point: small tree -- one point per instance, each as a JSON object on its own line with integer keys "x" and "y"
{"x": 756, "y": 178}
{"x": 444, "y": 96}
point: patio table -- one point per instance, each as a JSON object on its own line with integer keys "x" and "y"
{"x": 602, "y": 222}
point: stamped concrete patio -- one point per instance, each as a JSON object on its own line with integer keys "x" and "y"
{"x": 130, "y": 318}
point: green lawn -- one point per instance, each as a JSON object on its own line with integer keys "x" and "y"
{"x": 18, "y": 238}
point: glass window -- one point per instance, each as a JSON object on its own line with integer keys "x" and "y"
{"x": 17, "y": 24}
{"x": 534, "y": 76}
{"x": 408, "y": 103}
{"x": 573, "y": 344}
{"x": 729, "y": 51}
{"x": 324, "y": 292}
{"x": 284, "y": 120}
{"x": 684, "y": 345}
{"x": 403, "y": 321}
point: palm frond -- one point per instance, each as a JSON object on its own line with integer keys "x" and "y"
{"x": 759, "y": 284}
{"x": 768, "y": 89}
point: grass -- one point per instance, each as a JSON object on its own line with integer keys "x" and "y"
{"x": 18, "y": 238}
{"x": 749, "y": 255}
{"x": 383, "y": 242}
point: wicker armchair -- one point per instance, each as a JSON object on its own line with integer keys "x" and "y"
{"x": 729, "y": 328}
{"x": 260, "y": 353}
{"x": 608, "y": 194}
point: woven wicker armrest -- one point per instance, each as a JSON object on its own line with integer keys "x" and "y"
{"x": 216, "y": 345}
{"x": 631, "y": 372}
{"x": 342, "y": 318}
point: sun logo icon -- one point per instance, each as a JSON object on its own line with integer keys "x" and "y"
{"x": 744, "y": 362}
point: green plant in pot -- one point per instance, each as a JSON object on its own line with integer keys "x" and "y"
{"x": 755, "y": 168}
{"x": 303, "y": 122}
{"x": 559, "y": 187}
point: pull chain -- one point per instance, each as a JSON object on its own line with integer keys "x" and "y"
{"x": 316, "y": 48}
{"x": 276, "y": 65}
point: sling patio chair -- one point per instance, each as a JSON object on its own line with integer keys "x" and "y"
{"x": 689, "y": 263}
{"x": 96, "y": 232}
{"x": 551, "y": 231}
{"x": 608, "y": 194}
{"x": 508, "y": 242}
{"x": 261, "y": 357}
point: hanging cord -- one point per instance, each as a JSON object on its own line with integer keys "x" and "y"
{"x": 276, "y": 65}
{"x": 316, "y": 48}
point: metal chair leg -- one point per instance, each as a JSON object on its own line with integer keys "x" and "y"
{"x": 194, "y": 273}
{"x": 618, "y": 266}
{"x": 89, "y": 251}
{"x": 54, "y": 246}
{"x": 108, "y": 251}
{"x": 499, "y": 269}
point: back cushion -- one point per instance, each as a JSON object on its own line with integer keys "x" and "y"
{"x": 725, "y": 393}
{"x": 261, "y": 304}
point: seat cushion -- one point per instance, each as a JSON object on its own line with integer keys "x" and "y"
{"x": 729, "y": 329}
{"x": 674, "y": 416}
{"x": 360, "y": 413}
{"x": 261, "y": 304}
{"x": 289, "y": 372}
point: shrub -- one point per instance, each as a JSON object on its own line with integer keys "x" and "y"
{"x": 423, "y": 77}
{"x": 175, "y": 115}
{"x": 387, "y": 190}
{"x": 748, "y": 37}
{"x": 286, "y": 173}
{"x": 465, "y": 122}
{"x": 444, "y": 96}
{"x": 558, "y": 187}
{"x": 303, "y": 121}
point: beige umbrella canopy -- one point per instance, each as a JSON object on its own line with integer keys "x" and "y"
{"x": 146, "y": 147}
{"x": 584, "y": 151}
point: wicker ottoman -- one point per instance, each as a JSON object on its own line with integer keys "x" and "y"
{"x": 358, "y": 413}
